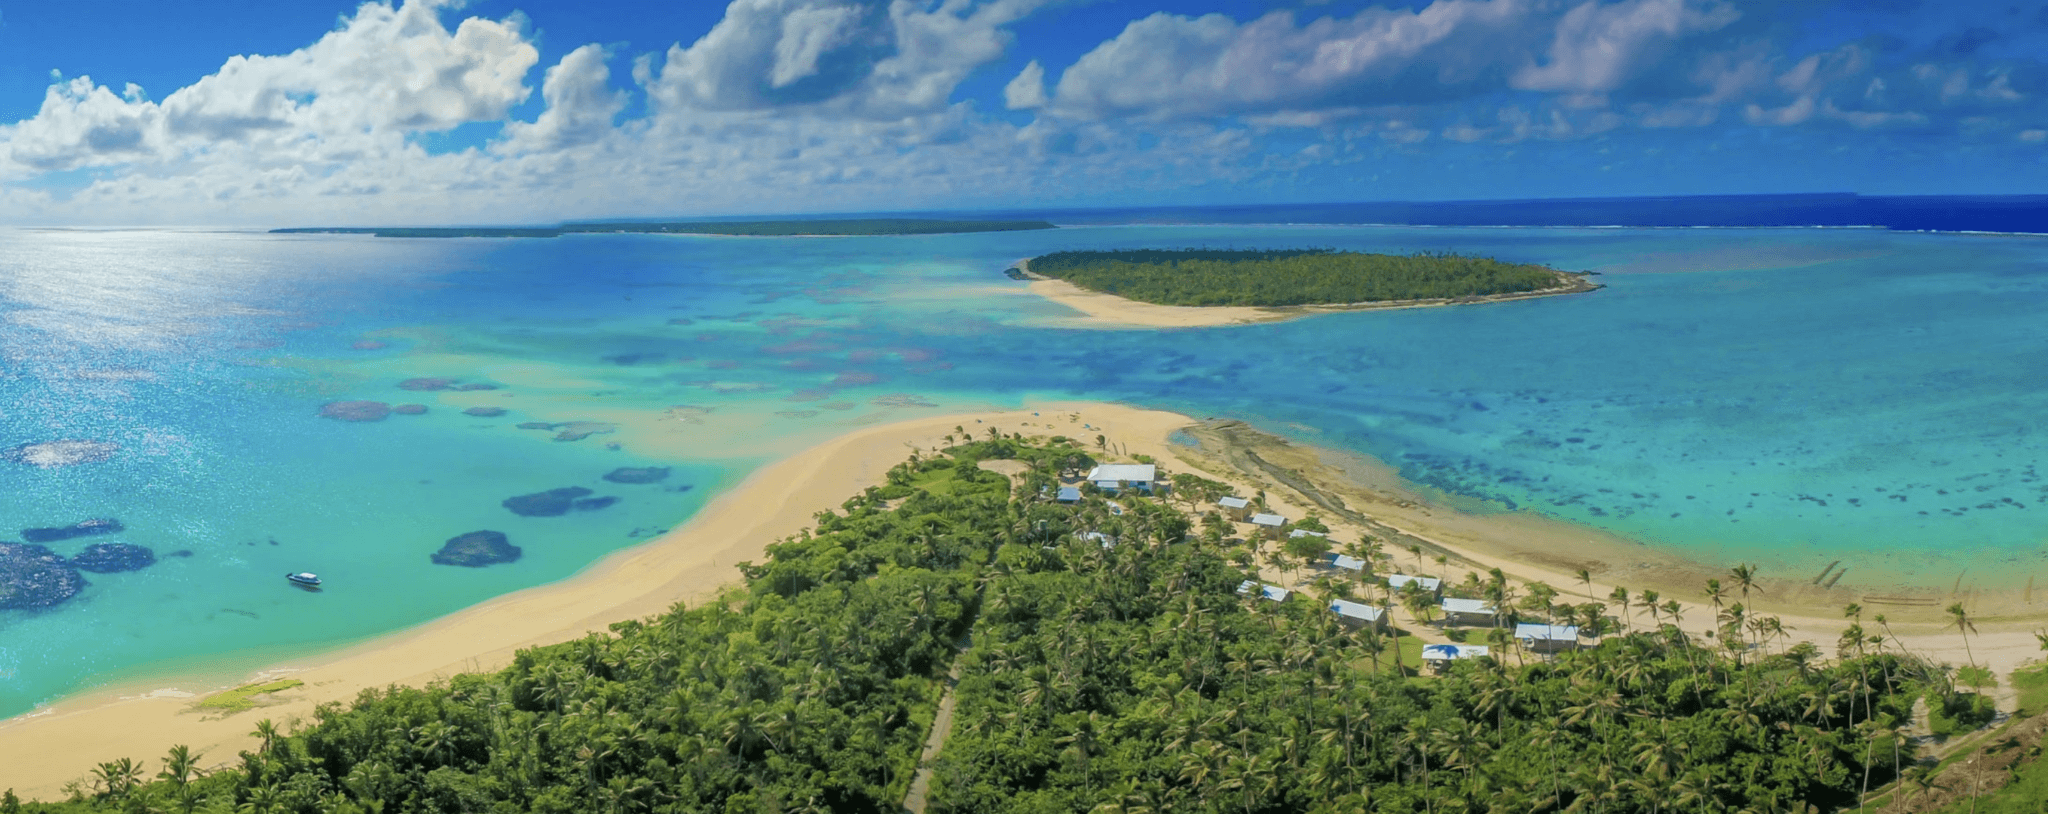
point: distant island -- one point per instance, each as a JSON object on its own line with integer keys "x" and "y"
{"x": 1192, "y": 287}
{"x": 756, "y": 228}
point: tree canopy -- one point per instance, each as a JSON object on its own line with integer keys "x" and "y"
{"x": 1210, "y": 277}
{"x": 1106, "y": 664}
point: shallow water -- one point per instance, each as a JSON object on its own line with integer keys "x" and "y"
{"x": 1787, "y": 397}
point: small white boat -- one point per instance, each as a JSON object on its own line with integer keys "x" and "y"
{"x": 304, "y": 578}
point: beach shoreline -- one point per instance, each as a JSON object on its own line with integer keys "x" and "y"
{"x": 1111, "y": 312}
{"x": 41, "y": 751}
{"x": 140, "y": 717}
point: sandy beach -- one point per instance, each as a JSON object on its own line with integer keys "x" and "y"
{"x": 1111, "y": 312}
{"x": 40, "y": 752}
{"x": 43, "y": 750}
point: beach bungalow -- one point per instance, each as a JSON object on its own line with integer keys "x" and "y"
{"x": 1299, "y": 533}
{"x": 1343, "y": 562}
{"x": 1118, "y": 477}
{"x": 1538, "y": 638}
{"x": 1273, "y": 592}
{"x": 1440, "y": 656}
{"x": 1467, "y": 611}
{"x": 1269, "y": 524}
{"x": 1236, "y": 508}
{"x": 1096, "y": 536}
{"x": 1399, "y": 582}
{"x": 1358, "y": 614}
{"x": 1069, "y": 494}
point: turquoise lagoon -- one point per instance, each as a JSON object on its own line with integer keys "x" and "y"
{"x": 1787, "y": 397}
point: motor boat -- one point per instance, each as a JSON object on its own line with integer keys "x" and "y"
{"x": 304, "y": 578}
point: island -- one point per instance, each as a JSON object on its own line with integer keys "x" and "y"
{"x": 756, "y": 228}
{"x": 1203, "y": 287}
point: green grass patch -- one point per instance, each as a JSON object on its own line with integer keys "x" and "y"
{"x": 2032, "y": 684}
{"x": 243, "y": 698}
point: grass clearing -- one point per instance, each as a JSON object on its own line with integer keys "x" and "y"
{"x": 243, "y": 698}
{"x": 2032, "y": 684}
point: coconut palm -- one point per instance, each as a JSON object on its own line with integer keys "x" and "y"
{"x": 1960, "y": 620}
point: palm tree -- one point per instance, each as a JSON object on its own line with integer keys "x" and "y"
{"x": 1964, "y": 626}
{"x": 267, "y": 732}
{"x": 1586, "y": 576}
{"x": 1620, "y": 597}
{"x": 117, "y": 777}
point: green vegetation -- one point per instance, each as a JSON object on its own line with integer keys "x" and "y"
{"x": 2032, "y": 684}
{"x": 243, "y": 698}
{"x": 1123, "y": 677}
{"x": 1204, "y": 277}
{"x": 760, "y": 228}
{"x": 1956, "y": 713}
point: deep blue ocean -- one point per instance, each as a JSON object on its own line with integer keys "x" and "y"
{"x": 1781, "y": 396}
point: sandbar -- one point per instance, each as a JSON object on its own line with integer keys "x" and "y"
{"x": 1111, "y": 312}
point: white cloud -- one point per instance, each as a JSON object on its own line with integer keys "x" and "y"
{"x": 1599, "y": 47}
{"x": 865, "y": 58}
{"x": 1167, "y": 65}
{"x": 581, "y": 105}
{"x": 1027, "y": 90}
{"x": 386, "y": 72}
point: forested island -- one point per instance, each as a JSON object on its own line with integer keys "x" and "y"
{"x": 758, "y": 228}
{"x": 1298, "y": 277}
{"x": 1105, "y": 662}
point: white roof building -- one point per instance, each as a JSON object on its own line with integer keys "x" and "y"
{"x": 1305, "y": 533}
{"x": 1344, "y": 561}
{"x": 1357, "y": 610}
{"x": 1529, "y": 631}
{"x": 1273, "y": 592}
{"x": 1099, "y": 537}
{"x": 1269, "y": 520}
{"x": 1234, "y": 503}
{"x": 1454, "y": 652}
{"x": 1124, "y": 473}
{"x": 1399, "y": 581}
{"x": 1476, "y": 607}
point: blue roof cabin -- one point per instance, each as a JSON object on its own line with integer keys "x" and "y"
{"x": 1236, "y": 508}
{"x": 1440, "y": 656}
{"x": 1343, "y": 561}
{"x": 1069, "y": 494}
{"x": 1273, "y": 592}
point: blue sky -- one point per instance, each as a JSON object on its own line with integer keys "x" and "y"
{"x": 237, "y": 112}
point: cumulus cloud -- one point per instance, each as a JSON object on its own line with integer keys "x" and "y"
{"x": 853, "y": 57}
{"x": 1598, "y": 46}
{"x": 580, "y": 105}
{"x": 1168, "y": 65}
{"x": 1027, "y": 90}
{"x": 808, "y": 105}
{"x": 385, "y": 72}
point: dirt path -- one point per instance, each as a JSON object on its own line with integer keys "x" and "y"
{"x": 942, "y": 725}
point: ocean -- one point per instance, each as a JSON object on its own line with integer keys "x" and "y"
{"x": 1783, "y": 396}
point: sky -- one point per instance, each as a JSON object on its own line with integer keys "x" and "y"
{"x": 290, "y": 112}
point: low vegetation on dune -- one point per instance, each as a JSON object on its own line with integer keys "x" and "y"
{"x": 1105, "y": 663}
{"x": 1208, "y": 277}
